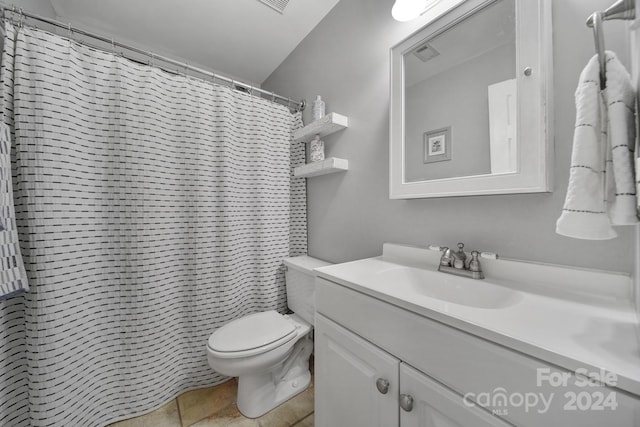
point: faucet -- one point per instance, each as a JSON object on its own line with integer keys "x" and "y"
{"x": 455, "y": 262}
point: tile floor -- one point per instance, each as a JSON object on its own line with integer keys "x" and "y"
{"x": 216, "y": 407}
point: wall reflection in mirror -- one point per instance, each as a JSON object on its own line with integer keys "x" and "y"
{"x": 461, "y": 99}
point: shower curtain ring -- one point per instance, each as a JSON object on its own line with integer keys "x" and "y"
{"x": 21, "y": 24}
{"x": 273, "y": 97}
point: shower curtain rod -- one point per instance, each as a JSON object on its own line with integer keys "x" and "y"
{"x": 297, "y": 105}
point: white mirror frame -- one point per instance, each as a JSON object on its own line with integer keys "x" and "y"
{"x": 535, "y": 113}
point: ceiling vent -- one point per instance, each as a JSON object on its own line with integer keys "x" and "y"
{"x": 425, "y": 52}
{"x": 278, "y": 5}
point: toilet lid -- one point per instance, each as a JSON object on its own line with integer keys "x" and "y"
{"x": 252, "y": 331}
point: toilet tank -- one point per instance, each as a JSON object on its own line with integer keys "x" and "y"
{"x": 300, "y": 283}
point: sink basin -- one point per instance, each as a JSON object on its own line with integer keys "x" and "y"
{"x": 445, "y": 287}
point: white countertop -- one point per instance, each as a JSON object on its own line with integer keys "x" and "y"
{"x": 583, "y": 320}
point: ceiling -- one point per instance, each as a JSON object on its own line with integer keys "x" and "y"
{"x": 242, "y": 39}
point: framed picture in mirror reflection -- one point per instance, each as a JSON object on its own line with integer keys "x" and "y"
{"x": 437, "y": 145}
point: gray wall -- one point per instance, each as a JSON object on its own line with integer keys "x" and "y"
{"x": 636, "y": 273}
{"x": 38, "y": 7}
{"x": 346, "y": 60}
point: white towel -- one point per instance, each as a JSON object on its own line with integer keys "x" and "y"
{"x": 601, "y": 190}
{"x": 13, "y": 279}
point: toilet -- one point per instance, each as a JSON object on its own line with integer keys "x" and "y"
{"x": 268, "y": 351}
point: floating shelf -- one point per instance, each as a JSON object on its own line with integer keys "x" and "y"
{"x": 327, "y": 125}
{"x": 330, "y": 165}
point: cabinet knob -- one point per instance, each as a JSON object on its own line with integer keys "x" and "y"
{"x": 382, "y": 385}
{"x": 406, "y": 402}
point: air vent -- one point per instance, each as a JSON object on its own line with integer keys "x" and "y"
{"x": 425, "y": 52}
{"x": 278, "y": 5}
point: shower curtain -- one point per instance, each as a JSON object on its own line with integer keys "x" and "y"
{"x": 152, "y": 208}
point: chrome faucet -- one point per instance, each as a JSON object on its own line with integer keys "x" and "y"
{"x": 455, "y": 262}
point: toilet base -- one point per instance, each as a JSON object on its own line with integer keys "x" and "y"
{"x": 260, "y": 393}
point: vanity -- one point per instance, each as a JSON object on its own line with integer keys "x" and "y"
{"x": 400, "y": 344}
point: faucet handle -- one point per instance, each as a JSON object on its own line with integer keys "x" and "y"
{"x": 445, "y": 254}
{"x": 474, "y": 264}
{"x": 446, "y": 258}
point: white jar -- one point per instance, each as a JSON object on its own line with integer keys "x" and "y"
{"x": 318, "y": 108}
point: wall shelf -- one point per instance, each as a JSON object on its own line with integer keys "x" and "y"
{"x": 324, "y": 167}
{"x": 332, "y": 122}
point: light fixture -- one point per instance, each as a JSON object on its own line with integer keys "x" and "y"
{"x": 406, "y": 10}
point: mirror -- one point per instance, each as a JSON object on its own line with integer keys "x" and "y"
{"x": 470, "y": 102}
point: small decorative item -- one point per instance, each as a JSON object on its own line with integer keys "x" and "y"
{"x": 318, "y": 108}
{"x": 437, "y": 145}
{"x": 316, "y": 149}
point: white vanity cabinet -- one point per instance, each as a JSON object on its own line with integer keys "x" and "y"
{"x": 454, "y": 378}
{"x": 436, "y": 406}
{"x": 359, "y": 385}
{"x": 347, "y": 369}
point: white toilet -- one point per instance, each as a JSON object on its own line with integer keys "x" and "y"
{"x": 269, "y": 352}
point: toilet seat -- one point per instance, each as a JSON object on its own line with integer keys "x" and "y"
{"x": 251, "y": 335}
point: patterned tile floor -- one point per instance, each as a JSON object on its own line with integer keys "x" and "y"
{"x": 216, "y": 407}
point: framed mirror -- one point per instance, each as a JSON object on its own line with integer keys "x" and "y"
{"x": 471, "y": 104}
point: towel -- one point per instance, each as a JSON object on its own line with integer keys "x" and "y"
{"x": 602, "y": 188}
{"x": 13, "y": 278}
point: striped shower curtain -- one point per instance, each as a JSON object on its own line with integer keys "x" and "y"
{"x": 152, "y": 208}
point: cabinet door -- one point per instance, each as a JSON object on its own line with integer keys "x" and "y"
{"x": 348, "y": 374}
{"x": 433, "y": 405}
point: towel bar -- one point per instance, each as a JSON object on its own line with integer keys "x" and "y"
{"x": 622, "y": 9}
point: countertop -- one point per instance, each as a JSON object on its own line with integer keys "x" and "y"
{"x": 584, "y": 321}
